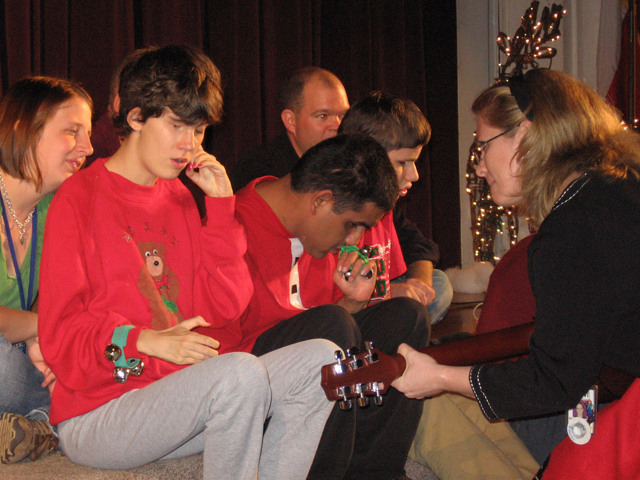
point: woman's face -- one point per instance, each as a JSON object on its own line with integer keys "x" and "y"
{"x": 498, "y": 165}
{"x": 64, "y": 143}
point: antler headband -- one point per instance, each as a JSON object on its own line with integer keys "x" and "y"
{"x": 526, "y": 47}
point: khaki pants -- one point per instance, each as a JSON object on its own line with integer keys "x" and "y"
{"x": 457, "y": 442}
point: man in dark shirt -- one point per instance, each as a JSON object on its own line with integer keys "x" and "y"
{"x": 313, "y": 102}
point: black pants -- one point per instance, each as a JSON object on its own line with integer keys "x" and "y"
{"x": 364, "y": 443}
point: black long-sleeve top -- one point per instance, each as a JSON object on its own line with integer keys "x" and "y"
{"x": 584, "y": 268}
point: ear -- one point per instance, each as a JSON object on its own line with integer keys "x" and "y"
{"x": 115, "y": 106}
{"x": 134, "y": 120}
{"x": 524, "y": 128}
{"x": 289, "y": 120}
{"x": 321, "y": 200}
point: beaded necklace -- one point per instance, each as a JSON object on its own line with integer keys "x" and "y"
{"x": 22, "y": 226}
{"x": 25, "y": 303}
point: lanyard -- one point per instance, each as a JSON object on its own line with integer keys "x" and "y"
{"x": 26, "y": 305}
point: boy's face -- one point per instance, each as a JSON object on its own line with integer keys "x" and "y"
{"x": 404, "y": 163}
{"x": 166, "y": 145}
{"x": 326, "y": 231}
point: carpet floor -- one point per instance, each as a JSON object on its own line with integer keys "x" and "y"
{"x": 58, "y": 467}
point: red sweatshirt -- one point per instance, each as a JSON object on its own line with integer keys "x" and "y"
{"x": 117, "y": 253}
{"x": 386, "y": 251}
{"x": 286, "y": 280}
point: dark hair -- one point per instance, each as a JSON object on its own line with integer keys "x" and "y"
{"x": 394, "y": 122}
{"x": 114, "y": 84}
{"x": 177, "y": 77}
{"x": 354, "y": 167}
{"x": 292, "y": 88}
{"x": 24, "y": 111}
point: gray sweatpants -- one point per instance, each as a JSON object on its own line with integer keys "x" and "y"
{"x": 218, "y": 406}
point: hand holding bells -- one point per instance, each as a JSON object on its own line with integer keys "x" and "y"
{"x": 363, "y": 254}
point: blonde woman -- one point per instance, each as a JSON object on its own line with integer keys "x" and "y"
{"x": 551, "y": 145}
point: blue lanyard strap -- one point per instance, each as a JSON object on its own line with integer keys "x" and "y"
{"x": 26, "y": 305}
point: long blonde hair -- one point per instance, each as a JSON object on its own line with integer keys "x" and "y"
{"x": 573, "y": 131}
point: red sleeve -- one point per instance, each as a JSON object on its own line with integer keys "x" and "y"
{"x": 73, "y": 337}
{"x": 223, "y": 284}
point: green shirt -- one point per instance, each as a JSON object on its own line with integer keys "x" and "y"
{"x": 9, "y": 292}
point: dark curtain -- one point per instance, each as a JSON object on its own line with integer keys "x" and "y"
{"x": 404, "y": 47}
{"x": 620, "y": 88}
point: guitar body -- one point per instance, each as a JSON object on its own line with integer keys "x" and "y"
{"x": 371, "y": 372}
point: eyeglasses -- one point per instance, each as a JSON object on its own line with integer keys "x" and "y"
{"x": 476, "y": 152}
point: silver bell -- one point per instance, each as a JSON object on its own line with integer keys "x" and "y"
{"x": 112, "y": 352}
{"x": 137, "y": 370}
{"x": 120, "y": 375}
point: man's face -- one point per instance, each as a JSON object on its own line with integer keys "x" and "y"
{"x": 326, "y": 231}
{"x": 323, "y": 108}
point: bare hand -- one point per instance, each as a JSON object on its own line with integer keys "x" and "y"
{"x": 179, "y": 344}
{"x": 211, "y": 176}
{"x": 35, "y": 354}
{"x": 420, "y": 378}
{"x": 424, "y": 377}
{"x": 414, "y": 288}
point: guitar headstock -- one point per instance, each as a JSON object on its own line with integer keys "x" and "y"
{"x": 360, "y": 376}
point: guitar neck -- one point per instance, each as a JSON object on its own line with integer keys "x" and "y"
{"x": 372, "y": 373}
{"x": 487, "y": 347}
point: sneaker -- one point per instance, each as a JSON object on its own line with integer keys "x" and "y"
{"x": 22, "y": 438}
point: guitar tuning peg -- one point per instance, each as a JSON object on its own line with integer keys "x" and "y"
{"x": 356, "y": 363}
{"x": 339, "y": 367}
{"x": 378, "y": 400}
{"x": 345, "y": 403}
{"x": 353, "y": 351}
{"x": 363, "y": 401}
{"x": 344, "y": 391}
{"x": 371, "y": 355}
